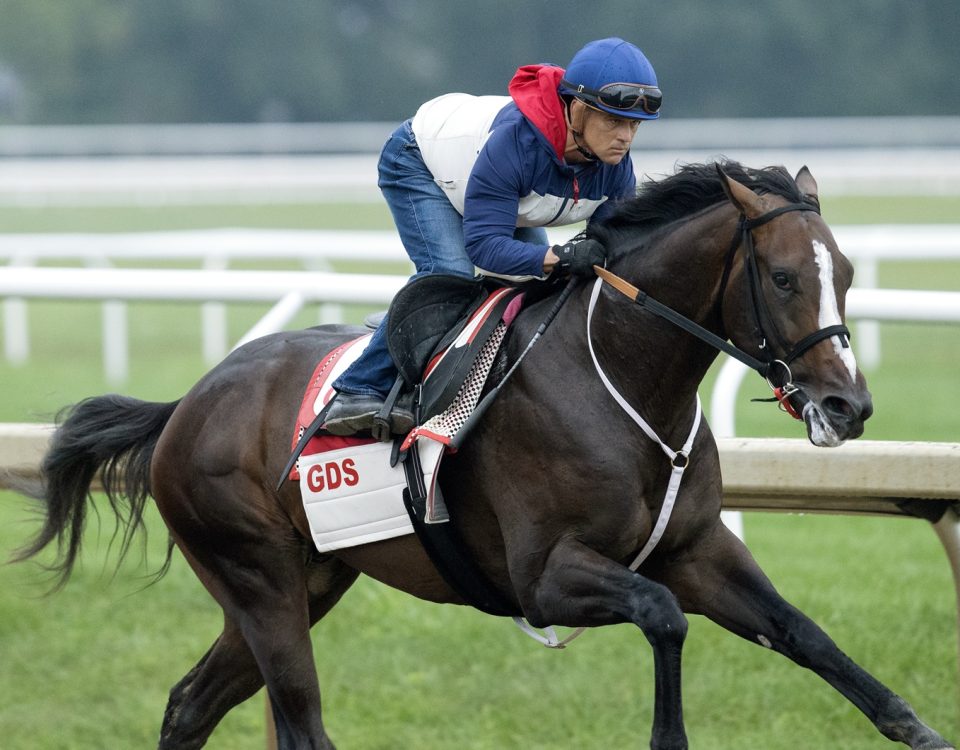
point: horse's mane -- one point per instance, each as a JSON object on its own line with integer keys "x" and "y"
{"x": 691, "y": 189}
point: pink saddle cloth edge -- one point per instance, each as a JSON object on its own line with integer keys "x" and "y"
{"x": 317, "y": 395}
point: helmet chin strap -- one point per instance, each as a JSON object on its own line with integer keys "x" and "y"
{"x": 578, "y": 134}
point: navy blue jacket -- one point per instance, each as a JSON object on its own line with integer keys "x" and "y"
{"x": 500, "y": 161}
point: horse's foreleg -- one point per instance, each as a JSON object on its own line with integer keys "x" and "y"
{"x": 722, "y": 581}
{"x": 579, "y": 587}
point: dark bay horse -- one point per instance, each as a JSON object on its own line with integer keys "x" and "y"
{"x": 555, "y": 491}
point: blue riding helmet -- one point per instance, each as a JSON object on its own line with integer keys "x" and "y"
{"x": 614, "y": 76}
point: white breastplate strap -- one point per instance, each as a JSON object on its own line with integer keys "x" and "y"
{"x": 678, "y": 460}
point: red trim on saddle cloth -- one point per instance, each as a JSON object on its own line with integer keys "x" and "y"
{"x": 419, "y": 432}
{"x": 308, "y": 410}
{"x": 513, "y": 309}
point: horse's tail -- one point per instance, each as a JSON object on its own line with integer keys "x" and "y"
{"x": 115, "y": 436}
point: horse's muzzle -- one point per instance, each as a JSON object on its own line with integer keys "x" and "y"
{"x": 834, "y": 419}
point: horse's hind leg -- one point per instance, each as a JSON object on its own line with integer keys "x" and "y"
{"x": 721, "y": 580}
{"x": 226, "y": 676}
{"x": 273, "y": 640}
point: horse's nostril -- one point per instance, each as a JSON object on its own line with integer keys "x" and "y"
{"x": 842, "y": 409}
{"x": 839, "y": 407}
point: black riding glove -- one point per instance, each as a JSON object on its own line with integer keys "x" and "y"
{"x": 578, "y": 257}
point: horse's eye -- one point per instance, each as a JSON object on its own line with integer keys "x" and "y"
{"x": 781, "y": 280}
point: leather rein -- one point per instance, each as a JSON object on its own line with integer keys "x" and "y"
{"x": 764, "y": 323}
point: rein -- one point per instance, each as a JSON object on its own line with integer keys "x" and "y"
{"x": 763, "y": 320}
{"x": 668, "y": 313}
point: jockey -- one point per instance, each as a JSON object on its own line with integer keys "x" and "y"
{"x": 472, "y": 180}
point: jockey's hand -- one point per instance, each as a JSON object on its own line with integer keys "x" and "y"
{"x": 578, "y": 257}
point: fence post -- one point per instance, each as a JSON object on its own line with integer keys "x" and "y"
{"x": 867, "y": 339}
{"x": 16, "y": 330}
{"x": 723, "y": 406}
{"x": 113, "y": 316}
{"x": 948, "y": 529}
{"x": 327, "y": 312}
{"x": 214, "y": 315}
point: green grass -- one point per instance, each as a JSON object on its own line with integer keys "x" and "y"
{"x": 101, "y": 655}
{"x": 891, "y": 209}
{"x": 168, "y": 218}
{"x": 90, "y": 667}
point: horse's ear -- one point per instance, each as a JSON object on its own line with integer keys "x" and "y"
{"x": 806, "y": 183}
{"x": 749, "y": 203}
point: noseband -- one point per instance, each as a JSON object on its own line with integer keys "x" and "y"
{"x": 765, "y": 327}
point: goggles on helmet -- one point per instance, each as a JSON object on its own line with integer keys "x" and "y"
{"x": 627, "y": 97}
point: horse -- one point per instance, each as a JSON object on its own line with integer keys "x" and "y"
{"x": 563, "y": 480}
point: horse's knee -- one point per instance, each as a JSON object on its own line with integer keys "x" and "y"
{"x": 659, "y": 616}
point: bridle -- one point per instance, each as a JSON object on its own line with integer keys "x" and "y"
{"x": 765, "y": 327}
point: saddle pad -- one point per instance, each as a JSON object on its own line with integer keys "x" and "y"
{"x": 353, "y": 496}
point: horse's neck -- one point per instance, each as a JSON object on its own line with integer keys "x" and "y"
{"x": 655, "y": 364}
{"x": 683, "y": 266}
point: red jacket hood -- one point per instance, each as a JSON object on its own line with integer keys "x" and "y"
{"x": 534, "y": 90}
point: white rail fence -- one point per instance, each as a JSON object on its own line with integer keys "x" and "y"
{"x": 215, "y": 249}
{"x": 867, "y": 246}
{"x": 165, "y": 180}
{"x": 290, "y": 290}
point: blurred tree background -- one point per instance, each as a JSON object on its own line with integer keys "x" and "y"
{"x": 140, "y": 61}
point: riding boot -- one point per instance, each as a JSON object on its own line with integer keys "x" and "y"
{"x": 351, "y": 413}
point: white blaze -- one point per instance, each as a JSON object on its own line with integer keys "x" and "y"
{"x": 829, "y": 311}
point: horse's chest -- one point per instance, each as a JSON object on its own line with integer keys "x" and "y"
{"x": 624, "y": 515}
{"x": 619, "y": 524}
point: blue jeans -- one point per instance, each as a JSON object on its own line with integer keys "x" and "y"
{"x": 431, "y": 230}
